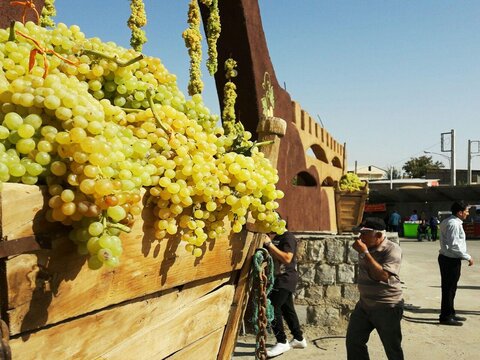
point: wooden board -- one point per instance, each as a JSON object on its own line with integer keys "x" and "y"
{"x": 178, "y": 329}
{"x": 240, "y": 300}
{"x": 150, "y": 328}
{"x": 204, "y": 346}
{"x": 22, "y": 211}
{"x": 49, "y": 286}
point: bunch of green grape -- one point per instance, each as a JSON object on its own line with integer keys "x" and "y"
{"x": 351, "y": 182}
{"x": 106, "y": 122}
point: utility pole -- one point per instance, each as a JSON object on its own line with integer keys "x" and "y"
{"x": 453, "y": 175}
{"x": 469, "y": 163}
{"x": 451, "y": 149}
{"x": 470, "y": 156}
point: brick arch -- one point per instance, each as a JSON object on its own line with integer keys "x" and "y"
{"x": 304, "y": 178}
{"x": 336, "y": 162}
{"x": 328, "y": 181}
{"x": 319, "y": 152}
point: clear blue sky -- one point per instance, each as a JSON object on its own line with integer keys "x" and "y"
{"x": 386, "y": 77}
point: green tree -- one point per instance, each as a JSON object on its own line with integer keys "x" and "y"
{"x": 418, "y": 167}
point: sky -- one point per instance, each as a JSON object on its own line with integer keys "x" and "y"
{"x": 386, "y": 78}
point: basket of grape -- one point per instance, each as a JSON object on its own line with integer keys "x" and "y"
{"x": 350, "y": 197}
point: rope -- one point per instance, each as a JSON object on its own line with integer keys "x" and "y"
{"x": 263, "y": 279}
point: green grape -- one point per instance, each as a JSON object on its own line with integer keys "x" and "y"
{"x": 43, "y": 158}
{"x": 52, "y": 102}
{"x": 94, "y": 263}
{"x": 17, "y": 170}
{"x": 34, "y": 169}
{"x": 93, "y": 245}
{"x": 4, "y": 132}
{"x": 12, "y": 121}
{"x": 25, "y": 146}
{"x": 116, "y": 213}
{"x": 112, "y": 261}
{"x": 58, "y": 168}
{"x": 104, "y": 254}
{"x": 29, "y": 180}
{"x": 34, "y": 120}
{"x": 26, "y": 131}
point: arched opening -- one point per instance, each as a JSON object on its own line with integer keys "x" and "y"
{"x": 303, "y": 178}
{"x": 328, "y": 181}
{"x": 336, "y": 162}
{"x": 318, "y": 152}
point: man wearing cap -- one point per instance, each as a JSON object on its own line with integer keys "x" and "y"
{"x": 453, "y": 249}
{"x": 381, "y": 303}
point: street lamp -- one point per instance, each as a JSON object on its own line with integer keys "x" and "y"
{"x": 386, "y": 172}
{"x": 445, "y": 156}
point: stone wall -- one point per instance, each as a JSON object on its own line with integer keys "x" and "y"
{"x": 327, "y": 291}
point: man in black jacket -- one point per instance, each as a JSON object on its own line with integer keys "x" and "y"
{"x": 283, "y": 248}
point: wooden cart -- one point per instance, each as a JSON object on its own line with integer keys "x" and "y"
{"x": 161, "y": 302}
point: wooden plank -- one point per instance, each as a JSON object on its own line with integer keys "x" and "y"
{"x": 61, "y": 286}
{"x": 240, "y": 300}
{"x": 177, "y": 330}
{"x": 206, "y": 347}
{"x": 131, "y": 324}
{"x": 52, "y": 285}
{"x": 22, "y": 211}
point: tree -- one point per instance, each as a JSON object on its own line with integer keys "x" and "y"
{"x": 418, "y": 167}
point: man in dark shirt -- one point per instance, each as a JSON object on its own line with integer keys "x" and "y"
{"x": 283, "y": 248}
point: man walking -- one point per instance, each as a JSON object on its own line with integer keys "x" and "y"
{"x": 453, "y": 249}
{"x": 381, "y": 304}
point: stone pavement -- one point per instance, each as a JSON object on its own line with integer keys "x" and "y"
{"x": 423, "y": 337}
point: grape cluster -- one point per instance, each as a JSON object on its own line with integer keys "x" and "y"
{"x": 351, "y": 182}
{"x": 105, "y": 124}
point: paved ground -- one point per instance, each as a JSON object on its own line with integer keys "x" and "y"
{"x": 423, "y": 337}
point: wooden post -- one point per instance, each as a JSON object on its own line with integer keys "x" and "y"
{"x": 271, "y": 128}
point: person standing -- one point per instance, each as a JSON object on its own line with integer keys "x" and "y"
{"x": 394, "y": 221}
{"x": 380, "y": 305}
{"x": 453, "y": 249}
{"x": 433, "y": 222}
{"x": 283, "y": 250}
